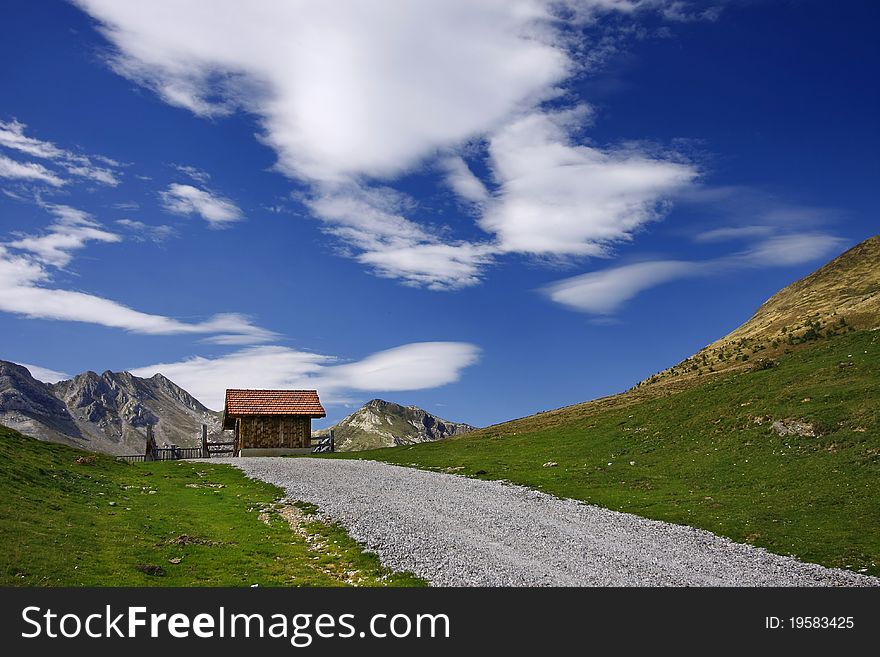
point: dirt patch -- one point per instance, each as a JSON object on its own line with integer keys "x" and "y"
{"x": 318, "y": 544}
{"x": 151, "y": 569}
{"x": 186, "y": 539}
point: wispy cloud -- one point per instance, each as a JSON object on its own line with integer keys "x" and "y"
{"x": 184, "y": 200}
{"x": 728, "y": 233}
{"x": 371, "y": 223}
{"x": 143, "y": 232}
{"x": 413, "y": 366}
{"x": 29, "y": 171}
{"x": 688, "y": 12}
{"x": 605, "y": 292}
{"x": 12, "y": 136}
{"x": 71, "y": 231}
{"x": 27, "y": 264}
{"x": 463, "y": 181}
{"x": 788, "y": 249}
{"x": 24, "y": 291}
{"x": 196, "y": 174}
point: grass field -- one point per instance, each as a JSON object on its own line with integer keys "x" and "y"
{"x": 69, "y": 518}
{"x": 707, "y": 456}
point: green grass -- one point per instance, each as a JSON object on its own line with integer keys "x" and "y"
{"x": 97, "y": 522}
{"x": 700, "y": 457}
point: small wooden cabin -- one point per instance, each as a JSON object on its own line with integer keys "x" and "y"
{"x": 271, "y": 422}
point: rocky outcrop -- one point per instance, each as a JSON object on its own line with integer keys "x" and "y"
{"x": 380, "y": 423}
{"x": 108, "y": 400}
{"x": 28, "y": 406}
{"x": 793, "y": 428}
{"x": 105, "y": 413}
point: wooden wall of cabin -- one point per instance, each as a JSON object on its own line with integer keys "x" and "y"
{"x": 266, "y": 431}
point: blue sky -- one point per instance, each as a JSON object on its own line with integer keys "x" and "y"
{"x": 485, "y": 209}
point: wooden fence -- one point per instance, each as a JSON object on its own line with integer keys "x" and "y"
{"x": 208, "y": 449}
{"x": 323, "y": 445}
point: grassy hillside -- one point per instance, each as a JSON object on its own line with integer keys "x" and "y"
{"x": 840, "y": 297}
{"x": 707, "y": 456}
{"x": 70, "y": 518}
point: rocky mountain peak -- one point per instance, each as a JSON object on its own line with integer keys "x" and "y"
{"x": 26, "y": 403}
{"x": 381, "y": 423}
{"x": 107, "y": 412}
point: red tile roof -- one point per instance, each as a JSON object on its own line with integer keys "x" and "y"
{"x": 272, "y": 402}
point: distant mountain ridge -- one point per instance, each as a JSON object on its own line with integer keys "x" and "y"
{"x": 380, "y": 423}
{"x": 106, "y": 412}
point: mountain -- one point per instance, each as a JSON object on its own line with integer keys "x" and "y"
{"x": 102, "y": 413}
{"x": 778, "y": 446}
{"x": 840, "y": 297}
{"x": 28, "y": 406}
{"x": 380, "y": 423}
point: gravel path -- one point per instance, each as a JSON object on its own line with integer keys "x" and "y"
{"x": 455, "y": 531}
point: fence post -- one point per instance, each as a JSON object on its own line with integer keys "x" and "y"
{"x": 150, "y": 453}
{"x": 205, "y": 453}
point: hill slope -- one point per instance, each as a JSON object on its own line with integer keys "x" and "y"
{"x": 380, "y": 423}
{"x": 783, "y": 453}
{"x": 70, "y": 518}
{"x": 842, "y": 296}
{"x": 102, "y": 413}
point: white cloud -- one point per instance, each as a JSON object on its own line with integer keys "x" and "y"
{"x": 435, "y": 266}
{"x": 142, "y": 231}
{"x": 408, "y": 367}
{"x": 98, "y": 174}
{"x": 23, "y": 292}
{"x": 686, "y": 12}
{"x": 45, "y": 374}
{"x": 733, "y": 233}
{"x": 463, "y": 181}
{"x": 354, "y": 94}
{"x": 219, "y": 212}
{"x": 25, "y": 278}
{"x": 606, "y": 291}
{"x": 195, "y": 173}
{"x": 12, "y": 136}
{"x": 30, "y": 171}
{"x": 371, "y": 222}
{"x": 70, "y": 232}
{"x": 788, "y": 250}
{"x": 344, "y": 89}
{"x": 557, "y": 198}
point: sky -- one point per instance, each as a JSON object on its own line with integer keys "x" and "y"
{"x": 483, "y": 208}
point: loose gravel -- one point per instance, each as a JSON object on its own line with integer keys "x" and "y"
{"x": 456, "y": 531}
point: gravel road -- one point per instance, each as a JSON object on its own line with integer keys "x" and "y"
{"x": 455, "y": 531}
